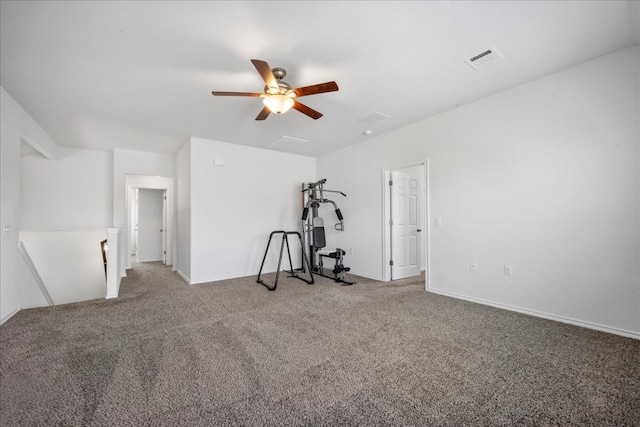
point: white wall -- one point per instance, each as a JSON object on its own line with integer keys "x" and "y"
{"x": 65, "y": 209}
{"x": 69, "y": 262}
{"x": 134, "y": 163}
{"x": 183, "y": 211}
{"x": 18, "y": 289}
{"x": 544, "y": 177}
{"x": 70, "y": 193}
{"x": 235, "y": 207}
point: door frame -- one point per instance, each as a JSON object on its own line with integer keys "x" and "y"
{"x": 161, "y": 216}
{"x": 133, "y": 230}
{"x": 154, "y": 183}
{"x": 386, "y": 218}
{"x": 401, "y": 224}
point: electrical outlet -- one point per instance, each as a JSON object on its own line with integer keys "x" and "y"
{"x": 508, "y": 270}
{"x": 473, "y": 265}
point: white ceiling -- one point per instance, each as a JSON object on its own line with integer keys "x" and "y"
{"x": 139, "y": 75}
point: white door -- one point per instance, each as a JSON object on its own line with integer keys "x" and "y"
{"x": 405, "y": 232}
{"x": 150, "y": 224}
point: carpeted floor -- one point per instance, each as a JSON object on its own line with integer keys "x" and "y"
{"x": 232, "y": 353}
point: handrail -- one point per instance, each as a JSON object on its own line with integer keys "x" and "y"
{"x": 34, "y": 272}
{"x": 103, "y": 250}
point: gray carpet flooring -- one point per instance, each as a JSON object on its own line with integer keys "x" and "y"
{"x": 232, "y": 353}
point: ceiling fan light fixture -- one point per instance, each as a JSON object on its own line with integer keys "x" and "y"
{"x": 278, "y": 96}
{"x": 278, "y": 104}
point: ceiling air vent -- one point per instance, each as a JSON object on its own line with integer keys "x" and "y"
{"x": 484, "y": 59}
{"x": 287, "y": 143}
{"x": 373, "y": 117}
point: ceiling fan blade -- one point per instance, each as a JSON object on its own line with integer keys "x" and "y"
{"x": 306, "y": 110}
{"x": 263, "y": 114}
{"x": 217, "y": 93}
{"x": 265, "y": 71}
{"x": 315, "y": 89}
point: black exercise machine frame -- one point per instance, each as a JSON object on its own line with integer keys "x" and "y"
{"x": 285, "y": 241}
{"x": 315, "y": 193}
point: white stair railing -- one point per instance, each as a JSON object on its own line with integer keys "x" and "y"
{"x": 34, "y": 272}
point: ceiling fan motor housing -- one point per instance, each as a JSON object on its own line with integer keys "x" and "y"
{"x": 279, "y": 73}
{"x": 283, "y": 87}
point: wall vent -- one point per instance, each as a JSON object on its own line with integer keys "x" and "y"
{"x": 484, "y": 59}
{"x": 287, "y": 143}
{"x": 373, "y": 117}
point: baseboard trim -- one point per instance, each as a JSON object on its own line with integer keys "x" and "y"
{"x": 220, "y": 279}
{"x": 184, "y": 276}
{"x": 562, "y": 319}
{"x": 366, "y": 276}
{"x": 10, "y": 315}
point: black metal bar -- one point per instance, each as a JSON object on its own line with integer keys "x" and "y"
{"x": 265, "y": 255}
{"x": 285, "y": 241}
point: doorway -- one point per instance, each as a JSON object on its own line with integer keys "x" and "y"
{"x": 163, "y": 194}
{"x": 149, "y": 225}
{"x": 405, "y": 222}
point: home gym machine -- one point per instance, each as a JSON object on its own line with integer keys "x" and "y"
{"x": 314, "y": 240}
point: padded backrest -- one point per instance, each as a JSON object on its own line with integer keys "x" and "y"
{"x": 318, "y": 233}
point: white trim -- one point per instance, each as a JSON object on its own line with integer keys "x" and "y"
{"x": 184, "y": 276}
{"x": 10, "y": 315}
{"x": 367, "y": 276}
{"x": 427, "y": 226}
{"x": 34, "y": 272}
{"x": 561, "y": 319}
{"x": 157, "y": 183}
{"x": 113, "y": 262}
{"x": 386, "y": 217}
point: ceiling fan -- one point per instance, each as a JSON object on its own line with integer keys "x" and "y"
{"x": 278, "y": 95}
